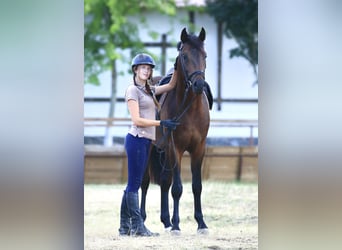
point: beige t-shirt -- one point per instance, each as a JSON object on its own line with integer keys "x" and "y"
{"x": 146, "y": 110}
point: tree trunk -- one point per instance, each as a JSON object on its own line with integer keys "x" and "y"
{"x": 255, "y": 69}
{"x": 108, "y": 140}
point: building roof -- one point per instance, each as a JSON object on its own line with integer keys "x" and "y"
{"x": 184, "y": 3}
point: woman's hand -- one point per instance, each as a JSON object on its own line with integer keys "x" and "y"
{"x": 170, "y": 124}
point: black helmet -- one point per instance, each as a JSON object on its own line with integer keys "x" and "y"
{"x": 143, "y": 59}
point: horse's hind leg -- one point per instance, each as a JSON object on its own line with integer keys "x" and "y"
{"x": 165, "y": 183}
{"x": 144, "y": 186}
{"x": 196, "y": 165}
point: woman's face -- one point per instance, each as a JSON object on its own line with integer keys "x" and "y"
{"x": 143, "y": 71}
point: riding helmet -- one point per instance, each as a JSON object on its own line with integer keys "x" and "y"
{"x": 143, "y": 59}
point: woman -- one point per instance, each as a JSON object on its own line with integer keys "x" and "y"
{"x": 141, "y": 104}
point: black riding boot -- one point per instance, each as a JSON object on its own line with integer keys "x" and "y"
{"x": 125, "y": 220}
{"x": 138, "y": 227}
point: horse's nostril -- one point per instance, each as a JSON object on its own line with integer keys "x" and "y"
{"x": 198, "y": 86}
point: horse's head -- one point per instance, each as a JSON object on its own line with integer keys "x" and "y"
{"x": 191, "y": 60}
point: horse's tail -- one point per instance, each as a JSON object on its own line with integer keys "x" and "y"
{"x": 156, "y": 158}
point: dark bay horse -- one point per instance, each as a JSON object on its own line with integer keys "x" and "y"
{"x": 187, "y": 104}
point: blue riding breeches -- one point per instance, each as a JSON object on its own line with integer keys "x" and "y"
{"x": 137, "y": 149}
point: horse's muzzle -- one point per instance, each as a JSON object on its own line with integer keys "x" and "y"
{"x": 198, "y": 86}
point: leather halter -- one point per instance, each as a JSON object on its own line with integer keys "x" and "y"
{"x": 188, "y": 78}
{"x": 183, "y": 109}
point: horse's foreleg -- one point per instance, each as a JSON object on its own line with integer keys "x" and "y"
{"x": 196, "y": 165}
{"x": 177, "y": 190}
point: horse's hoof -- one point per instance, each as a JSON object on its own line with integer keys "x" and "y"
{"x": 175, "y": 232}
{"x": 168, "y": 229}
{"x": 203, "y": 231}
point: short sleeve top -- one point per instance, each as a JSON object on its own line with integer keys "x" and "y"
{"x": 146, "y": 110}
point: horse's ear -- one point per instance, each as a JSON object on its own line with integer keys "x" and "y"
{"x": 202, "y": 35}
{"x": 184, "y": 35}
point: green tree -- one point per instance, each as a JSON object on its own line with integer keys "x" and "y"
{"x": 108, "y": 29}
{"x": 239, "y": 19}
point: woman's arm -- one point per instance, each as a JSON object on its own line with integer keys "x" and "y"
{"x": 133, "y": 108}
{"x": 167, "y": 87}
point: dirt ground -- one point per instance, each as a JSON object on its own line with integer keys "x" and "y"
{"x": 230, "y": 211}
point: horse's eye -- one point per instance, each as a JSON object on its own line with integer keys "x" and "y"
{"x": 185, "y": 57}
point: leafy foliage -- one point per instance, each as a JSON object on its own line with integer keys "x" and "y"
{"x": 107, "y": 29}
{"x": 240, "y": 22}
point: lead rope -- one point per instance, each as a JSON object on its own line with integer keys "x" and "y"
{"x": 177, "y": 118}
{"x": 171, "y": 135}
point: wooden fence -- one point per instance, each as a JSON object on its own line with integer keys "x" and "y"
{"x": 223, "y": 163}
{"x": 109, "y": 165}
